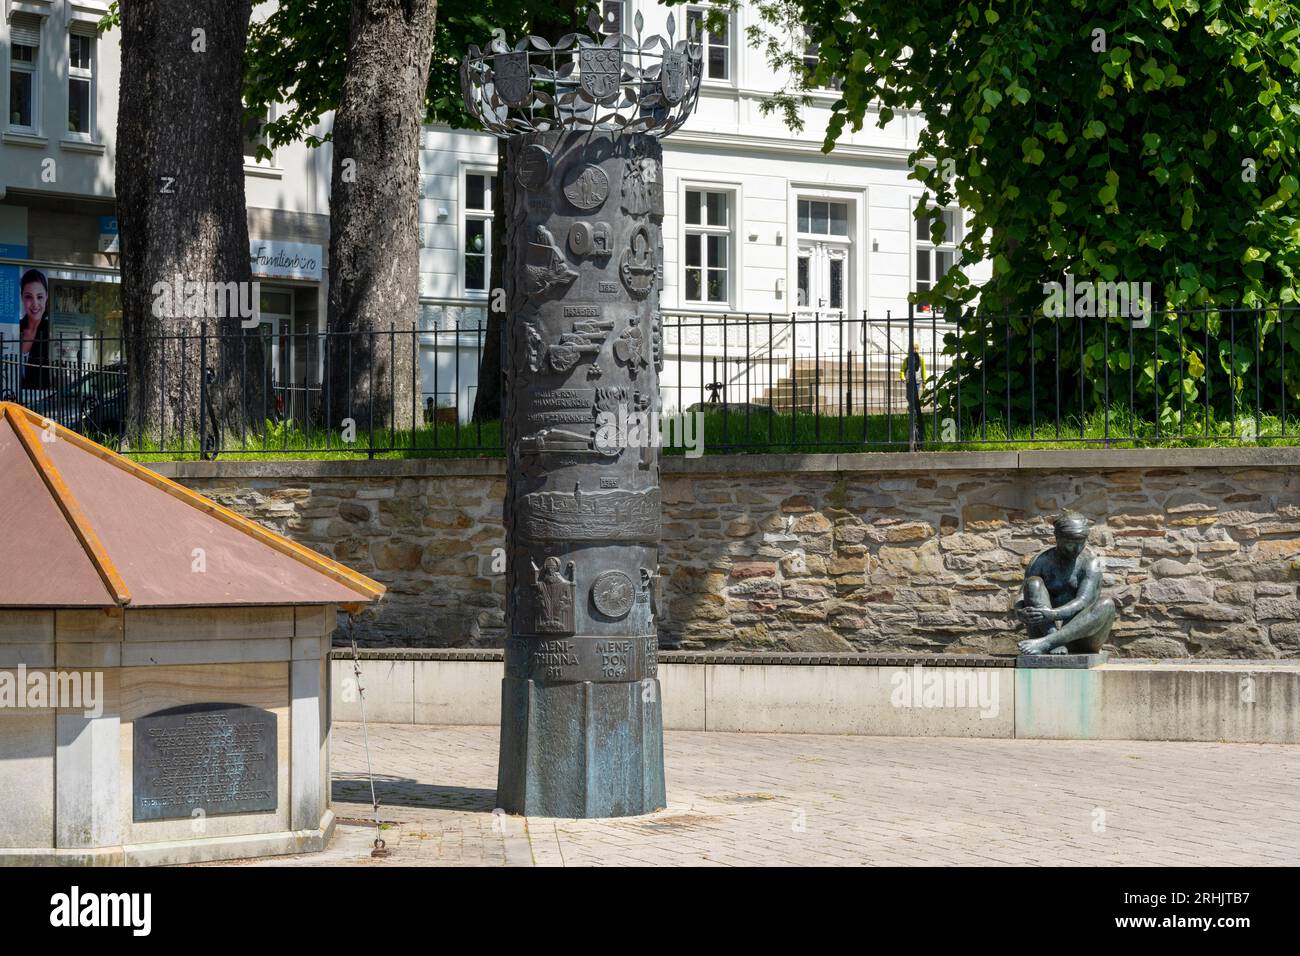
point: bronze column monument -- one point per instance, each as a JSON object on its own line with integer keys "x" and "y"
{"x": 581, "y": 722}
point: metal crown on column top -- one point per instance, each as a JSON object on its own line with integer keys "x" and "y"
{"x": 617, "y": 83}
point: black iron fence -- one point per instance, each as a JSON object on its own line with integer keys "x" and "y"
{"x": 961, "y": 378}
{"x": 72, "y": 387}
{"x": 805, "y": 381}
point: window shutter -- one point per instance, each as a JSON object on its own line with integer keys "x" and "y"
{"x": 25, "y": 29}
{"x": 83, "y": 28}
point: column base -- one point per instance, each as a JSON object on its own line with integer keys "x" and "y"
{"x": 581, "y": 750}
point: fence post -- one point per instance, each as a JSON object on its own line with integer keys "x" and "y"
{"x": 889, "y": 376}
{"x": 370, "y": 360}
{"x": 912, "y": 406}
{"x": 77, "y": 400}
{"x": 415, "y": 369}
{"x": 848, "y": 397}
{"x": 961, "y": 344}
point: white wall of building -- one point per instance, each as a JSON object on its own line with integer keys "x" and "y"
{"x": 45, "y": 155}
{"x": 296, "y": 179}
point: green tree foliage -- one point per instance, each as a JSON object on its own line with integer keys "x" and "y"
{"x": 1116, "y": 140}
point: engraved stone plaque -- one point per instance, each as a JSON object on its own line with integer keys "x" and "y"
{"x": 217, "y": 758}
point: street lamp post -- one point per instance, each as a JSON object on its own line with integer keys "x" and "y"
{"x": 581, "y": 717}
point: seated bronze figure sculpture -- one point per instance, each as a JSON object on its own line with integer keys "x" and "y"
{"x": 1061, "y": 604}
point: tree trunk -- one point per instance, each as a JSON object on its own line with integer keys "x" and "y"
{"x": 180, "y": 193}
{"x": 374, "y": 255}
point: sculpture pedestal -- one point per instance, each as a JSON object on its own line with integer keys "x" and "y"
{"x": 1063, "y": 661}
{"x": 581, "y": 750}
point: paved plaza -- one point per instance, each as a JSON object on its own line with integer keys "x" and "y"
{"x": 773, "y": 799}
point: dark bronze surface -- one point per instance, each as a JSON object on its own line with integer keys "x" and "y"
{"x": 581, "y": 722}
{"x": 569, "y": 660}
{"x": 615, "y": 84}
{"x": 1061, "y": 604}
{"x": 583, "y": 508}
{"x": 214, "y": 758}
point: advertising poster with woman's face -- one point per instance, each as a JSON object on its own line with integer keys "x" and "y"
{"x": 34, "y": 328}
{"x": 10, "y": 293}
{"x": 35, "y": 297}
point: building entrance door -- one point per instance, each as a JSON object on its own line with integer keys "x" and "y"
{"x": 823, "y": 276}
{"x": 276, "y": 328}
{"x": 822, "y": 291}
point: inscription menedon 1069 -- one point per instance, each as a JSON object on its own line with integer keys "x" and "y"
{"x": 214, "y": 758}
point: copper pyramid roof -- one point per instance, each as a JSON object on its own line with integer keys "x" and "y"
{"x": 83, "y": 526}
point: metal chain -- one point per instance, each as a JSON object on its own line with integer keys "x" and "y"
{"x": 380, "y": 847}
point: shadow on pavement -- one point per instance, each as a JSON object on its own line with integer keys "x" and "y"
{"x": 405, "y": 792}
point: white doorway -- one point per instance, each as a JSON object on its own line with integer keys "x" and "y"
{"x": 824, "y": 270}
{"x": 822, "y": 277}
{"x": 825, "y": 279}
{"x": 276, "y": 329}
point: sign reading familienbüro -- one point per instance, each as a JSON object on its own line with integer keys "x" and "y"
{"x": 211, "y": 758}
{"x": 285, "y": 260}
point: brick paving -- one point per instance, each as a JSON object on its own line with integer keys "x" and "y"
{"x": 773, "y": 799}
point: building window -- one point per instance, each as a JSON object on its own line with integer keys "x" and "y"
{"x": 255, "y": 138}
{"x": 708, "y": 246}
{"x": 933, "y": 260}
{"x": 24, "y": 73}
{"x": 611, "y": 17}
{"x": 811, "y": 56}
{"x": 81, "y": 83}
{"x": 820, "y": 218}
{"x": 717, "y": 46}
{"x": 478, "y": 230}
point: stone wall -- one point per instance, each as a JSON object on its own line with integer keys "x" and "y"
{"x": 873, "y": 552}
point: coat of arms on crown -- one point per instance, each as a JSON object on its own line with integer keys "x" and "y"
{"x": 619, "y": 82}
